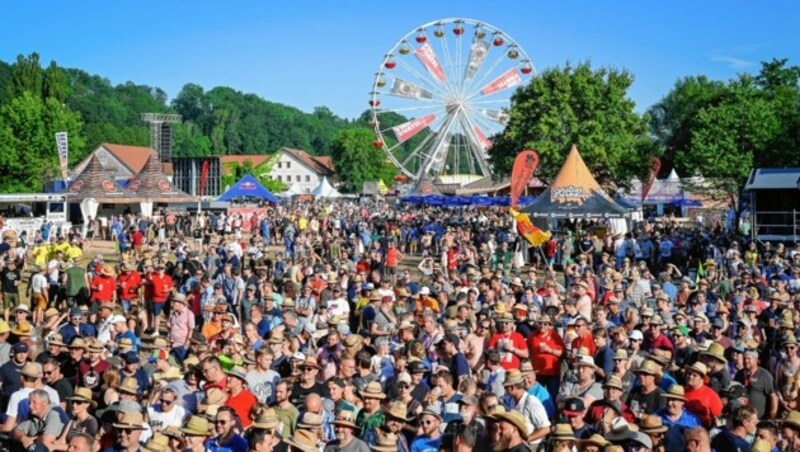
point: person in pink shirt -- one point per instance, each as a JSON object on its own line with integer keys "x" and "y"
{"x": 180, "y": 324}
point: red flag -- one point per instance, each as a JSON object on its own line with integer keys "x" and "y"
{"x": 524, "y": 166}
{"x": 655, "y": 167}
{"x": 203, "y": 177}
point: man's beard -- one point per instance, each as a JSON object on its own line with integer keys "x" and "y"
{"x": 502, "y": 444}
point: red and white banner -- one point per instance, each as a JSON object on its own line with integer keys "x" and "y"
{"x": 498, "y": 116}
{"x": 404, "y": 88}
{"x": 62, "y": 143}
{"x": 485, "y": 142}
{"x": 428, "y": 59}
{"x": 506, "y": 80}
{"x": 406, "y": 130}
{"x": 247, "y": 214}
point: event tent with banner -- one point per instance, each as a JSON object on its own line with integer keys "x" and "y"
{"x": 248, "y": 187}
{"x": 325, "y": 190}
{"x": 292, "y": 191}
{"x": 457, "y": 201}
{"x": 574, "y": 193}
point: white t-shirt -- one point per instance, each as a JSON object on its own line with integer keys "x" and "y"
{"x": 23, "y": 393}
{"x": 338, "y": 306}
{"x": 160, "y": 420}
{"x": 38, "y": 283}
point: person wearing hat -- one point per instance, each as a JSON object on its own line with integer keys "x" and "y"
{"x": 160, "y": 287}
{"x": 128, "y": 430}
{"x": 646, "y": 398}
{"x": 180, "y": 325}
{"x": 513, "y": 431}
{"x": 759, "y": 384}
{"x": 76, "y": 327}
{"x": 717, "y": 364}
{"x": 430, "y": 437}
{"x": 675, "y": 417}
{"x": 167, "y": 412}
{"x": 91, "y": 369}
{"x": 345, "y": 427}
{"x": 226, "y": 437}
{"x": 511, "y": 344}
{"x": 529, "y": 406}
{"x": 701, "y": 400}
{"x": 397, "y": 420}
{"x": 263, "y": 434}
{"x": 584, "y": 385}
{"x": 594, "y": 443}
{"x": 547, "y": 347}
{"x": 102, "y": 288}
{"x": 241, "y": 399}
{"x": 129, "y": 282}
{"x": 653, "y": 427}
{"x": 371, "y": 418}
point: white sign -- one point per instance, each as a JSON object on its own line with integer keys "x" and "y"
{"x": 62, "y": 143}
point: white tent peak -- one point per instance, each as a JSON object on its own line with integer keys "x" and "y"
{"x": 325, "y": 190}
{"x": 673, "y": 176}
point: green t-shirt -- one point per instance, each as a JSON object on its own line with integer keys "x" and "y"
{"x": 75, "y": 280}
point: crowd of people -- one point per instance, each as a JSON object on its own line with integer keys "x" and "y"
{"x": 372, "y": 326}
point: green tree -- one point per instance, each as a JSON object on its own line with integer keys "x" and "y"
{"x": 582, "y": 106}
{"x": 358, "y": 161}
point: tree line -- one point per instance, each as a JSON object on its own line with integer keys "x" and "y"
{"x": 716, "y": 129}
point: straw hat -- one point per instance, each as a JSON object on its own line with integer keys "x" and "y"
{"x": 4, "y": 328}
{"x": 373, "y": 391}
{"x": 32, "y": 370}
{"x": 620, "y": 430}
{"x": 513, "y": 377}
{"x": 345, "y": 418}
{"x": 353, "y": 341}
{"x": 170, "y": 374}
{"x": 526, "y": 368}
{"x": 311, "y": 362}
{"x": 562, "y": 432}
{"x": 652, "y": 424}
{"x": 303, "y": 440}
{"x": 699, "y": 368}
{"x": 386, "y": 443}
{"x": 172, "y": 431}
{"x": 78, "y": 342}
{"x": 613, "y": 381}
{"x": 595, "y": 440}
{"x": 129, "y": 385}
{"x": 50, "y": 313}
{"x": 715, "y": 351}
{"x": 792, "y": 419}
{"x": 516, "y": 419}
{"x": 309, "y": 421}
{"x": 55, "y": 339}
{"x": 268, "y": 419}
{"x": 237, "y": 371}
{"x": 23, "y": 329}
{"x": 130, "y": 419}
{"x": 107, "y": 270}
{"x": 83, "y": 395}
{"x": 397, "y": 410}
{"x": 158, "y": 443}
{"x": 675, "y": 392}
{"x": 620, "y": 354}
{"x": 648, "y": 367}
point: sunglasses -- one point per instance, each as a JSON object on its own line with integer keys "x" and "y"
{"x": 427, "y": 422}
{"x": 220, "y": 422}
{"x": 126, "y": 431}
{"x": 166, "y": 402}
{"x": 403, "y": 386}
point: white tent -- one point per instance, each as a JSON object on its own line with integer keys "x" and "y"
{"x": 293, "y": 190}
{"x": 325, "y": 190}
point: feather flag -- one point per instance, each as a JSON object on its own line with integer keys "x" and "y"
{"x": 534, "y": 235}
{"x": 524, "y": 166}
{"x": 655, "y": 167}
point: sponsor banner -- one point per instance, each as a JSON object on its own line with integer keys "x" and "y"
{"x": 440, "y": 154}
{"x": 405, "y": 131}
{"x": 485, "y": 142}
{"x": 477, "y": 55}
{"x": 62, "y": 144}
{"x": 525, "y": 165}
{"x": 570, "y": 193}
{"x": 427, "y": 57}
{"x": 247, "y": 213}
{"x": 507, "y": 79}
{"x": 498, "y": 116}
{"x": 403, "y": 88}
{"x": 655, "y": 167}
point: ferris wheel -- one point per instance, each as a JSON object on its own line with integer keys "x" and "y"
{"x": 441, "y": 92}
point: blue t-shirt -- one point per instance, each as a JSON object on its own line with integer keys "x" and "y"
{"x": 726, "y": 441}
{"x": 424, "y": 444}
{"x": 235, "y": 444}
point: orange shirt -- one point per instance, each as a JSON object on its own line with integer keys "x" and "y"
{"x": 211, "y": 329}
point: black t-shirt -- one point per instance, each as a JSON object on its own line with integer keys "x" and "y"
{"x": 64, "y": 390}
{"x": 8, "y": 279}
{"x": 647, "y": 403}
{"x": 586, "y": 245}
{"x": 300, "y": 393}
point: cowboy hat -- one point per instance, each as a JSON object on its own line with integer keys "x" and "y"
{"x": 652, "y": 424}
{"x": 386, "y": 443}
{"x": 173, "y": 373}
{"x": 345, "y": 418}
{"x": 198, "y": 426}
{"x": 309, "y": 421}
{"x": 595, "y": 440}
{"x": 311, "y": 362}
{"x": 648, "y": 367}
{"x": 236, "y": 371}
{"x": 303, "y": 440}
{"x": 130, "y": 419}
{"x": 620, "y": 430}
{"x": 83, "y": 395}
{"x": 23, "y": 329}
{"x": 793, "y": 419}
{"x": 158, "y": 443}
{"x": 373, "y": 391}
{"x": 107, "y": 270}
{"x": 268, "y": 419}
{"x": 32, "y": 370}
{"x": 397, "y": 410}
{"x": 513, "y": 377}
{"x": 613, "y": 381}
{"x": 675, "y": 392}
{"x": 699, "y": 368}
{"x": 715, "y": 351}
{"x": 562, "y": 432}
{"x": 129, "y": 385}
{"x": 514, "y": 418}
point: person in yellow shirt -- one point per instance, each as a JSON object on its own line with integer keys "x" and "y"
{"x": 63, "y": 245}
{"x": 302, "y": 223}
{"x": 40, "y": 253}
{"x": 73, "y": 253}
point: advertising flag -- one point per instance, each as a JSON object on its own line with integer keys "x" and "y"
{"x": 404, "y": 88}
{"x": 406, "y": 130}
{"x": 485, "y": 142}
{"x": 525, "y": 165}
{"x": 532, "y": 234}
{"x": 477, "y": 55}
{"x": 507, "y": 79}
{"x": 62, "y": 144}
{"x": 655, "y": 167}
{"x": 427, "y": 57}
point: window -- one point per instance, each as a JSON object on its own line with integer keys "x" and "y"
{"x": 279, "y": 165}
{"x": 279, "y": 178}
{"x": 288, "y": 165}
{"x": 308, "y": 178}
{"x": 297, "y": 178}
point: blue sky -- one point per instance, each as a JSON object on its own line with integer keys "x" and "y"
{"x": 308, "y": 53}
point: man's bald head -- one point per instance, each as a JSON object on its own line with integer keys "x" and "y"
{"x": 314, "y": 403}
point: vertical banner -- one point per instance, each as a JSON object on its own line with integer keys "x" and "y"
{"x": 655, "y": 167}
{"x": 428, "y": 58}
{"x": 63, "y": 153}
{"x": 203, "y": 177}
{"x": 524, "y": 166}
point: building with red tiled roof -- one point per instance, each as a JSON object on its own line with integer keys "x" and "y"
{"x": 121, "y": 160}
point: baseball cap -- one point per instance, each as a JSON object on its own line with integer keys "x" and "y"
{"x": 131, "y": 357}
{"x": 20, "y": 347}
{"x": 636, "y": 335}
{"x": 574, "y": 406}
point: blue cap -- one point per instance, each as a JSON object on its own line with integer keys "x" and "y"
{"x": 131, "y": 357}
{"x": 20, "y": 347}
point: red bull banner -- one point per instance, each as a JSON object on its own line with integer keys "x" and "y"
{"x": 507, "y": 79}
{"x": 407, "y": 130}
{"x": 525, "y": 165}
{"x": 427, "y": 57}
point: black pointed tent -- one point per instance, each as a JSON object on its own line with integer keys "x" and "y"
{"x": 575, "y": 193}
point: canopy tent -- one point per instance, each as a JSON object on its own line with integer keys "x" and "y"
{"x": 248, "y": 187}
{"x": 325, "y": 190}
{"x": 574, "y": 193}
{"x": 666, "y": 191}
{"x": 292, "y": 191}
{"x": 97, "y": 183}
{"x": 152, "y": 186}
{"x": 456, "y": 201}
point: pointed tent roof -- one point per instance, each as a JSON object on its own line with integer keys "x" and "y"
{"x": 294, "y": 189}
{"x": 248, "y": 187}
{"x": 574, "y": 193}
{"x": 152, "y": 185}
{"x": 325, "y": 190}
{"x": 98, "y": 183}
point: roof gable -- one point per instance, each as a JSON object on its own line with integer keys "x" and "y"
{"x": 323, "y": 167}
{"x": 133, "y": 157}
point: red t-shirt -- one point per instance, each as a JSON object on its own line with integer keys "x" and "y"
{"x": 132, "y": 283}
{"x": 586, "y": 341}
{"x": 507, "y": 359}
{"x": 137, "y": 238}
{"x": 392, "y": 256}
{"x": 162, "y": 287}
{"x": 241, "y": 404}
{"x": 546, "y": 364}
{"x": 704, "y": 403}
{"x": 102, "y": 288}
